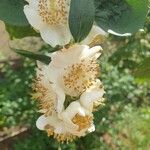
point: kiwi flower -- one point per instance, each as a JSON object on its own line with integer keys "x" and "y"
{"x": 50, "y": 18}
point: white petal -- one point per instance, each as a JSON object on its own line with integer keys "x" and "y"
{"x": 73, "y": 109}
{"x": 93, "y": 33}
{"x": 70, "y": 112}
{"x": 50, "y": 120}
{"x": 93, "y": 52}
{"x": 60, "y": 99}
{"x": 56, "y": 35}
{"x": 33, "y": 3}
{"x": 65, "y": 57}
{"x": 33, "y": 17}
{"x": 89, "y": 97}
{"x": 42, "y": 122}
{"x": 53, "y": 75}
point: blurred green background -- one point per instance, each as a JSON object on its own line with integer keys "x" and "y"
{"x": 123, "y": 123}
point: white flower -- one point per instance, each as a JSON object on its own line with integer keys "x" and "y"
{"x": 75, "y": 121}
{"x": 72, "y": 71}
{"x": 50, "y": 18}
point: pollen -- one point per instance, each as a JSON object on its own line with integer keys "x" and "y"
{"x": 66, "y": 137}
{"x": 80, "y": 76}
{"x": 44, "y": 96}
{"x": 54, "y": 12}
{"x": 83, "y": 122}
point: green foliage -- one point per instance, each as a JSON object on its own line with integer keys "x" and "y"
{"x": 43, "y": 58}
{"x": 20, "y": 31}
{"x": 16, "y": 106}
{"x": 39, "y": 141}
{"x": 133, "y": 52}
{"x": 126, "y": 16}
{"x": 11, "y": 12}
{"x": 143, "y": 70}
{"x": 81, "y": 18}
{"x": 133, "y": 130}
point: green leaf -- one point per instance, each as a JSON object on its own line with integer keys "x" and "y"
{"x": 81, "y": 18}
{"x": 20, "y": 31}
{"x": 143, "y": 70}
{"x": 43, "y": 58}
{"x": 11, "y": 12}
{"x": 125, "y": 16}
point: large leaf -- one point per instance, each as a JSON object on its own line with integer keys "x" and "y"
{"x": 43, "y": 58}
{"x": 11, "y": 12}
{"x": 20, "y": 31}
{"x": 125, "y": 16}
{"x": 81, "y": 18}
{"x": 143, "y": 70}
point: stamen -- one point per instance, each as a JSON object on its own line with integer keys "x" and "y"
{"x": 80, "y": 76}
{"x": 54, "y": 12}
{"x": 45, "y": 97}
{"x": 67, "y": 137}
{"x": 82, "y": 122}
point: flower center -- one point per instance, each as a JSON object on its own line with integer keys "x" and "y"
{"x": 80, "y": 76}
{"x": 54, "y": 12}
{"x": 82, "y": 122}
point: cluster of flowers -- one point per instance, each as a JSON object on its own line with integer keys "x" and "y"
{"x": 68, "y": 89}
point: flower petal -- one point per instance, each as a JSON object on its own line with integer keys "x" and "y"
{"x": 56, "y": 35}
{"x": 92, "y": 53}
{"x": 66, "y": 57}
{"x": 33, "y": 17}
{"x": 90, "y": 96}
{"x": 33, "y": 3}
{"x": 93, "y": 33}
{"x": 53, "y": 76}
{"x": 42, "y": 122}
{"x": 73, "y": 109}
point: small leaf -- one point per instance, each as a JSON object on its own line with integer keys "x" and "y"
{"x": 81, "y": 18}
{"x": 20, "y": 31}
{"x": 125, "y": 16}
{"x": 43, "y": 58}
{"x": 11, "y": 12}
{"x": 143, "y": 70}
